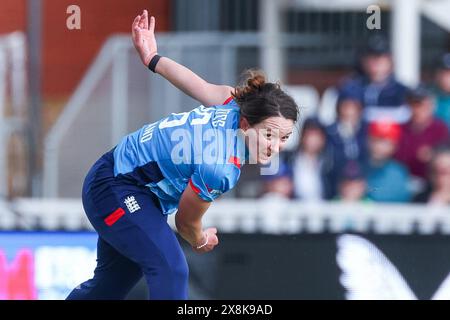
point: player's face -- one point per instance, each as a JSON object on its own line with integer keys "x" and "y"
{"x": 268, "y": 138}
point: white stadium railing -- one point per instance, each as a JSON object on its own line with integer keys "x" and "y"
{"x": 272, "y": 216}
{"x": 12, "y": 98}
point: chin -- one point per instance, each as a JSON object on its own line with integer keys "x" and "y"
{"x": 263, "y": 160}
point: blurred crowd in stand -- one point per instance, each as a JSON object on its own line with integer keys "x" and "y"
{"x": 388, "y": 143}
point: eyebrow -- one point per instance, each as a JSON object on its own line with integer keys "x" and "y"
{"x": 272, "y": 130}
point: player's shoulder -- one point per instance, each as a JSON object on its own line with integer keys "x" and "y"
{"x": 226, "y": 116}
{"x": 221, "y": 173}
{"x": 220, "y": 168}
{"x": 229, "y": 104}
{"x": 209, "y": 181}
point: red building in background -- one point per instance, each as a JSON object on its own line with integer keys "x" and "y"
{"x": 66, "y": 54}
{"x": 64, "y": 57}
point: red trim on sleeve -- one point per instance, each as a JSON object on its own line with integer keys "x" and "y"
{"x": 235, "y": 161}
{"x": 228, "y": 100}
{"x": 113, "y": 217}
{"x": 196, "y": 190}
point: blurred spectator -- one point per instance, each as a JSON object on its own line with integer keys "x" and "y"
{"x": 381, "y": 94}
{"x": 442, "y": 90}
{"x": 421, "y": 133}
{"x": 352, "y": 183}
{"x": 438, "y": 191}
{"x": 346, "y": 138}
{"x": 279, "y": 185}
{"x": 387, "y": 180}
{"x": 308, "y": 162}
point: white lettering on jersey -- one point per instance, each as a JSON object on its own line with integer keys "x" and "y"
{"x": 148, "y": 132}
{"x": 220, "y": 117}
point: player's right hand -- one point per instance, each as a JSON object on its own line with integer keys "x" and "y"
{"x": 143, "y": 34}
{"x": 213, "y": 241}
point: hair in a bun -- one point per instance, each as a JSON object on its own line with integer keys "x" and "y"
{"x": 259, "y": 99}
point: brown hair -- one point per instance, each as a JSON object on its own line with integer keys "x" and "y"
{"x": 259, "y": 100}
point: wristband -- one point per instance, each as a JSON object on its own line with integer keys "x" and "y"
{"x": 154, "y": 62}
{"x": 202, "y": 245}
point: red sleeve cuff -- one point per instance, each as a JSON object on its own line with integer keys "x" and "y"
{"x": 196, "y": 190}
{"x": 228, "y": 100}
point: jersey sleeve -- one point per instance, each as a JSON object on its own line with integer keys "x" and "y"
{"x": 210, "y": 181}
{"x": 228, "y": 101}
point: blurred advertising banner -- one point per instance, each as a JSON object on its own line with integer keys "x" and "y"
{"x": 44, "y": 265}
{"x": 324, "y": 266}
{"x": 48, "y": 265}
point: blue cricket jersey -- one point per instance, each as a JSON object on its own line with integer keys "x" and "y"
{"x": 202, "y": 148}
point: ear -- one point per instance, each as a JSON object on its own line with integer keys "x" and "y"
{"x": 243, "y": 124}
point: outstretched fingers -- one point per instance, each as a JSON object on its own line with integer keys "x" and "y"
{"x": 138, "y": 35}
{"x": 145, "y": 18}
{"x": 135, "y": 24}
{"x": 152, "y": 24}
{"x": 143, "y": 21}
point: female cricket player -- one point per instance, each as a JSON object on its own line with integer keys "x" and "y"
{"x": 169, "y": 166}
